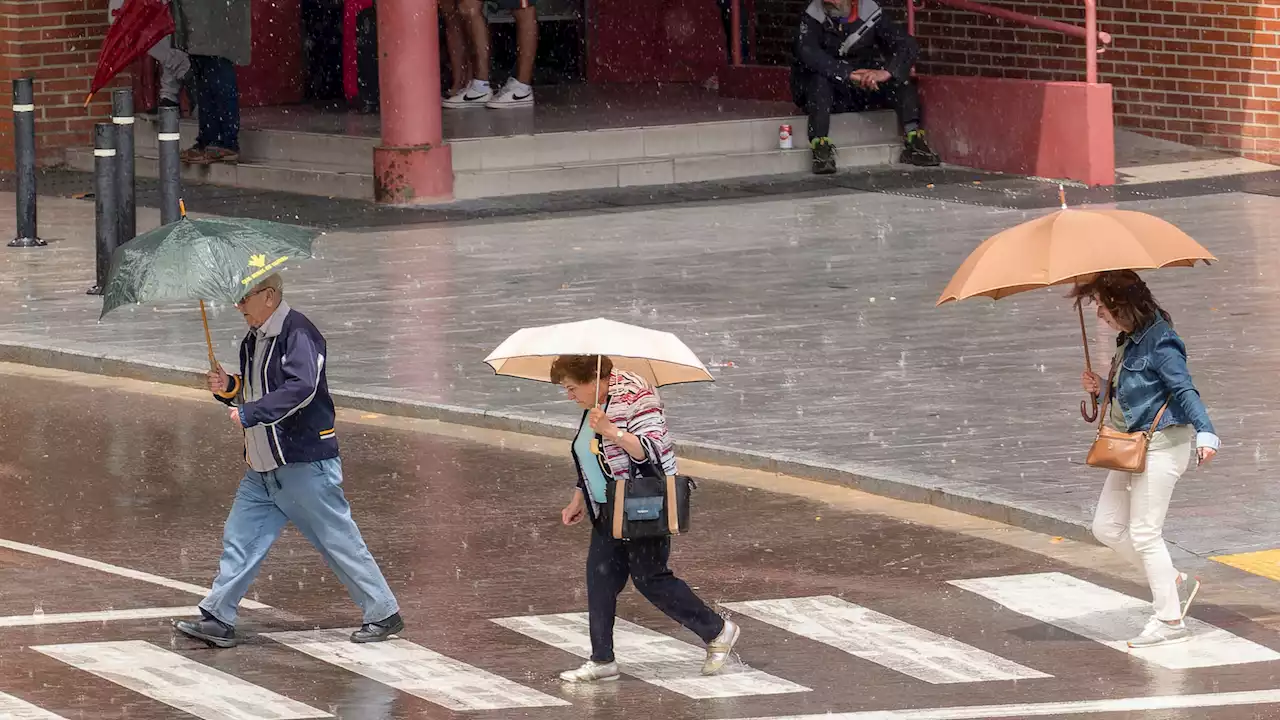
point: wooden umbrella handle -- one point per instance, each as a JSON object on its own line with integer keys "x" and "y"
{"x": 1088, "y": 412}
{"x": 208, "y": 339}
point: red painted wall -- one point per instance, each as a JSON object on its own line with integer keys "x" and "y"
{"x": 653, "y": 41}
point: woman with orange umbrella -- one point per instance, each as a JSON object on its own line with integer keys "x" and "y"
{"x": 1149, "y": 390}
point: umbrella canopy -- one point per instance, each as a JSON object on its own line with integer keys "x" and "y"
{"x": 1068, "y": 245}
{"x": 139, "y": 25}
{"x": 658, "y": 357}
{"x": 217, "y": 259}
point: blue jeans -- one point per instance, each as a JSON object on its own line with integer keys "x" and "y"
{"x": 310, "y": 495}
{"x": 217, "y": 101}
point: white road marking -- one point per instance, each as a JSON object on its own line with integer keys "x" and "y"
{"x": 418, "y": 671}
{"x": 12, "y": 708}
{"x": 121, "y": 571}
{"x": 1073, "y": 707}
{"x": 174, "y": 680}
{"x": 1112, "y": 618}
{"x": 884, "y": 640}
{"x": 652, "y": 657}
{"x": 99, "y": 616}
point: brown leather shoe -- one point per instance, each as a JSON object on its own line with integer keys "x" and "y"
{"x": 213, "y": 155}
{"x": 193, "y": 155}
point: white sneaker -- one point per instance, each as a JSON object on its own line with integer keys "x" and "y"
{"x": 514, "y": 94}
{"x": 474, "y": 95}
{"x": 718, "y": 650}
{"x": 1159, "y": 632}
{"x": 591, "y": 671}
{"x": 1188, "y": 588}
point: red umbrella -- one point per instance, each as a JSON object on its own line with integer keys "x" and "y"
{"x": 139, "y": 25}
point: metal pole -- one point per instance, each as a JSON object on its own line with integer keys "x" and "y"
{"x": 169, "y": 140}
{"x": 106, "y": 209}
{"x": 735, "y": 31}
{"x": 24, "y": 152}
{"x": 1091, "y": 41}
{"x": 122, "y": 117}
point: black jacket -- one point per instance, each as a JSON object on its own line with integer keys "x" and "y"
{"x": 835, "y": 49}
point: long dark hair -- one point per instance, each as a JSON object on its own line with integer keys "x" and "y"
{"x": 1125, "y": 295}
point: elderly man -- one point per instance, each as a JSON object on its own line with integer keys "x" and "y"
{"x": 281, "y": 401}
{"x": 850, "y": 58}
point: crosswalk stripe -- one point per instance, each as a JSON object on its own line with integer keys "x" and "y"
{"x": 1069, "y": 707}
{"x": 12, "y": 708}
{"x": 884, "y": 640}
{"x": 652, "y": 657}
{"x": 179, "y": 682}
{"x": 418, "y": 671}
{"x": 99, "y": 616}
{"x": 1111, "y": 618}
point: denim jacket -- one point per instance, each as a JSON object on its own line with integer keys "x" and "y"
{"x": 1154, "y": 369}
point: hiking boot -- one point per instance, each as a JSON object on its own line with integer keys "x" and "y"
{"x": 718, "y": 650}
{"x": 915, "y": 151}
{"x": 379, "y": 631}
{"x": 824, "y": 156}
{"x": 591, "y": 671}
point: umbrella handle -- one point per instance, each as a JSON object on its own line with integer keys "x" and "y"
{"x": 208, "y": 339}
{"x": 1090, "y": 414}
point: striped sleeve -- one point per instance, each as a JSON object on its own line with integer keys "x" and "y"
{"x": 647, "y": 420}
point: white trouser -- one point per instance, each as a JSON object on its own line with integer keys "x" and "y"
{"x": 1131, "y": 511}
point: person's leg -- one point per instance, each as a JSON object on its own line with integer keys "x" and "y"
{"x": 201, "y": 74}
{"x": 455, "y": 40}
{"x": 174, "y": 67}
{"x": 817, "y": 99}
{"x": 478, "y": 29}
{"x": 311, "y": 496}
{"x": 904, "y": 98}
{"x": 1111, "y": 518}
{"x": 607, "y": 571}
{"x": 655, "y": 581}
{"x": 252, "y": 526}
{"x": 1148, "y": 505}
{"x": 228, "y": 99}
{"x": 526, "y": 42}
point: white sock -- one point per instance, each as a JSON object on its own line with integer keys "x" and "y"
{"x": 520, "y": 87}
{"x": 480, "y": 85}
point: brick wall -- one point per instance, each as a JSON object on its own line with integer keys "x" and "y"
{"x": 56, "y": 42}
{"x": 1201, "y": 73}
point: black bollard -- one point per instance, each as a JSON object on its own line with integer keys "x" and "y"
{"x": 170, "y": 139}
{"x": 106, "y": 208}
{"x": 24, "y": 152}
{"x": 122, "y": 116}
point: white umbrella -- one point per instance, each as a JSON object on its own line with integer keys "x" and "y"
{"x": 658, "y": 357}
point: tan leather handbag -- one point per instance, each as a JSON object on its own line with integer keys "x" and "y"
{"x": 1122, "y": 451}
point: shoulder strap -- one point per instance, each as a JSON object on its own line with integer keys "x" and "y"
{"x": 1106, "y": 392}
{"x": 1156, "y": 423}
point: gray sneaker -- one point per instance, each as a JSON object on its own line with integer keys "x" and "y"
{"x": 1188, "y": 588}
{"x": 718, "y": 650}
{"x": 1158, "y": 632}
{"x": 591, "y": 671}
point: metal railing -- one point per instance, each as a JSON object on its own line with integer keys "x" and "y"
{"x": 1089, "y": 32}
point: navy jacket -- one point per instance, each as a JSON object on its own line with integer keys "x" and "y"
{"x": 869, "y": 40}
{"x": 296, "y": 408}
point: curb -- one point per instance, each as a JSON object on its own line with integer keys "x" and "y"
{"x": 899, "y": 485}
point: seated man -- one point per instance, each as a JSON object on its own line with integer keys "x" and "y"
{"x": 849, "y": 58}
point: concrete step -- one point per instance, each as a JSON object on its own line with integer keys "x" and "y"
{"x": 305, "y": 178}
{"x": 272, "y": 147}
{"x": 656, "y": 171}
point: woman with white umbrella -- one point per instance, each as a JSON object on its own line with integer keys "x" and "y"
{"x": 624, "y": 417}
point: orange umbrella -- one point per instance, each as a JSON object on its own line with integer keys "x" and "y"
{"x": 1071, "y": 246}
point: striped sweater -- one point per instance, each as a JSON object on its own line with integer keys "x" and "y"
{"x": 634, "y": 407}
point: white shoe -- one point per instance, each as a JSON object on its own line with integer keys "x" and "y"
{"x": 1188, "y": 588}
{"x": 718, "y": 650}
{"x": 474, "y": 95}
{"x": 591, "y": 671}
{"x": 1158, "y": 632}
{"x": 514, "y": 94}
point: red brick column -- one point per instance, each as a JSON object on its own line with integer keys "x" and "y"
{"x": 56, "y": 42}
{"x": 1200, "y": 73}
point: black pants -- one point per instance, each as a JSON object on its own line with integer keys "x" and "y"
{"x": 610, "y": 562}
{"x": 218, "y": 101}
{"x": 820, "y": 96}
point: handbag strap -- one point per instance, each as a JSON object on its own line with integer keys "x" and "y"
{"x": 1106, "y": 399}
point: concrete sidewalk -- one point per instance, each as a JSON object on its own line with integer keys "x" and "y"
{"x": 816, "y": 315}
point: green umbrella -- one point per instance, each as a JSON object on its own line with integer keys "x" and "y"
{"x": 216, "y": 259}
